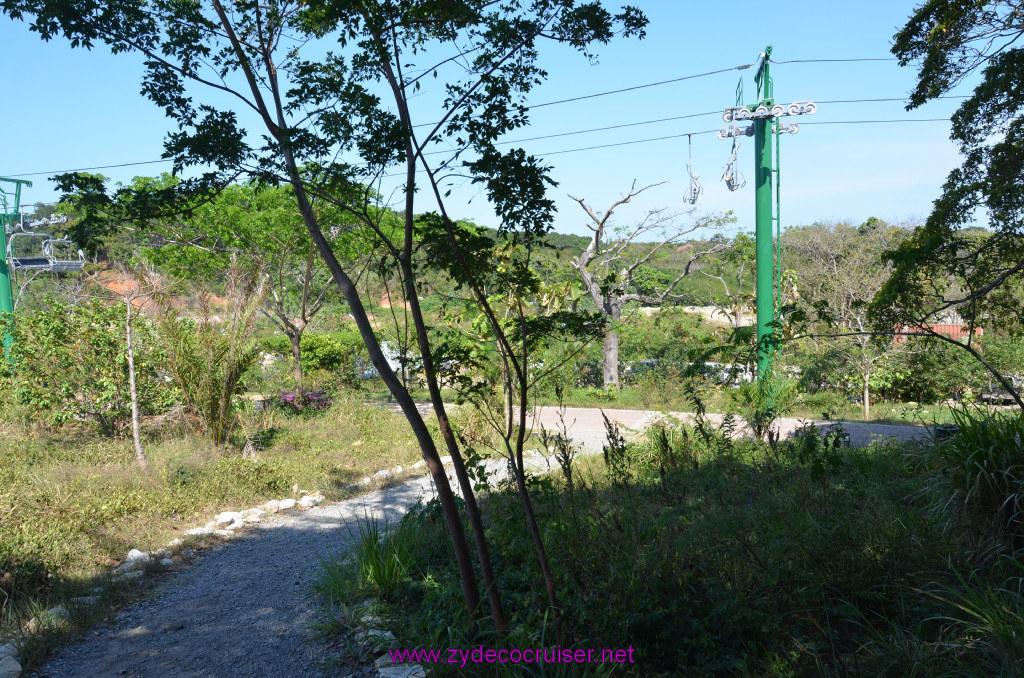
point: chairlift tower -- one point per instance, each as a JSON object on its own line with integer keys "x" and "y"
{"x": 10, "y": 208}
{"x": 767, "y": 122}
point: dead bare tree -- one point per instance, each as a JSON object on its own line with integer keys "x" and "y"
{"x": 609, "y": 264}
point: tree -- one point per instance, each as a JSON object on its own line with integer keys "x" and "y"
{"x": 944, "y": 267}
{"x": 135, "y": 287}
{"x": 840, "y": 269}
{"x": 610, "y": 265}
{"x": 262, "y": 229}
{"x": 733, "y": 269}
{"x": 356, "y": 101}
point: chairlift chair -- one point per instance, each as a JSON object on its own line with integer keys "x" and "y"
{"x": 695, "y": 190}
{"x": 50, "y": 258}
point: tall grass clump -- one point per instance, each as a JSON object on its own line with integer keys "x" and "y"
{"x": 209, "y": 355}
{"x": 980, "y": 470}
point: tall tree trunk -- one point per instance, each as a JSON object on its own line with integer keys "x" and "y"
{"x": 867, "y": 396}
{"x": 295, "y": 337}
{"x": 611, "y": 351}
{"x": 140, "y": 454}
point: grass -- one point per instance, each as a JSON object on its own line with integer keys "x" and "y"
{"x": 73, "y": 504}
{"x": 733, "y": 559}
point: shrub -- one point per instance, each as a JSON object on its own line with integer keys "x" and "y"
{"x": 207, "y": 358}
{"x": 70, "y": 363}
{"x": 981, "y": 468}
{"x": 339, "y": 352}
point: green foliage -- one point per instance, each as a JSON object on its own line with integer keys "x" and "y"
{"x": 718, "y": 562}
{"x": 669, "y": 335}
{"x": 342, "y": 352}
{"x": 767, "y": 399}
{"x": 208, "y": 358}
{"x": 382, "y": 557}
{"x": 935, "y": 371}
{"x": 980, "y": 470}
{"x": 948, "y": 262}
{"x": 70, "y": 363}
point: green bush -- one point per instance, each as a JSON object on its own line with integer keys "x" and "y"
{"x": 69, "y": 363}
{"x": 341, "y": 353}
{"x": 207, "y": 358}
{"x": 981, "y": 469}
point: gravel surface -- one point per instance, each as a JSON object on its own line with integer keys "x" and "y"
{"x": 240, "y": 610}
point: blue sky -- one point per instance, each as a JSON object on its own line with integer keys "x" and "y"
{"x": 70, "y": 109}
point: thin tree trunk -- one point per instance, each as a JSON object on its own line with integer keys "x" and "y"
{"x": 867, "y": 396}
{"x": 140, "y": 453}
{"x": 472, "y": 508}
{"x": 295, "y": 337}
{"x": 531, "y": 516}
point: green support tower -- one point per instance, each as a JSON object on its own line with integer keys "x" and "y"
{"x": 766, "y": 121}
{"x": 10, "y": 207}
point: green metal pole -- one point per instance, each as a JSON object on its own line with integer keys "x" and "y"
{"x": 765, "y": 254}
{"x": 6, "y": 298}
{"x": 8, "y": 214}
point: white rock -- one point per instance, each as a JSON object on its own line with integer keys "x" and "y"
{"x": 383, "y": 660}
{"x": 258, "y": 512}
{"x": 10, "y": 667}
{"x": 307, "y": 502}
{"x": 398, "y": 469}
{"x": 383, "y": 474}
{"x": 287, "y": 504}
{"x": 175, "y": 543}
{"x": 137, "y": 556}
{"x": 212, "y": 525}
{"x": 420, "y": 464}
{"x": 365, "y": 481}
{"x": 167, "y": 562}
{"x": 252, "y": 520}
{"x": 272, "y": 506}
{"x": 161, "y": 554}
{"x": 228, "y": 518}
{"x": 8, "y": 650}
{"x": 235, "y": 526}
{"x": 446, "y": 459}
{"x": 200, "y": 532}
{"x": 59, "y": 611}
{"x": 85, "y": 601}
{"x": 227, "y": 534}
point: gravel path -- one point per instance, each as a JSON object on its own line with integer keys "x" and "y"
{"x": 240, "y": 610}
